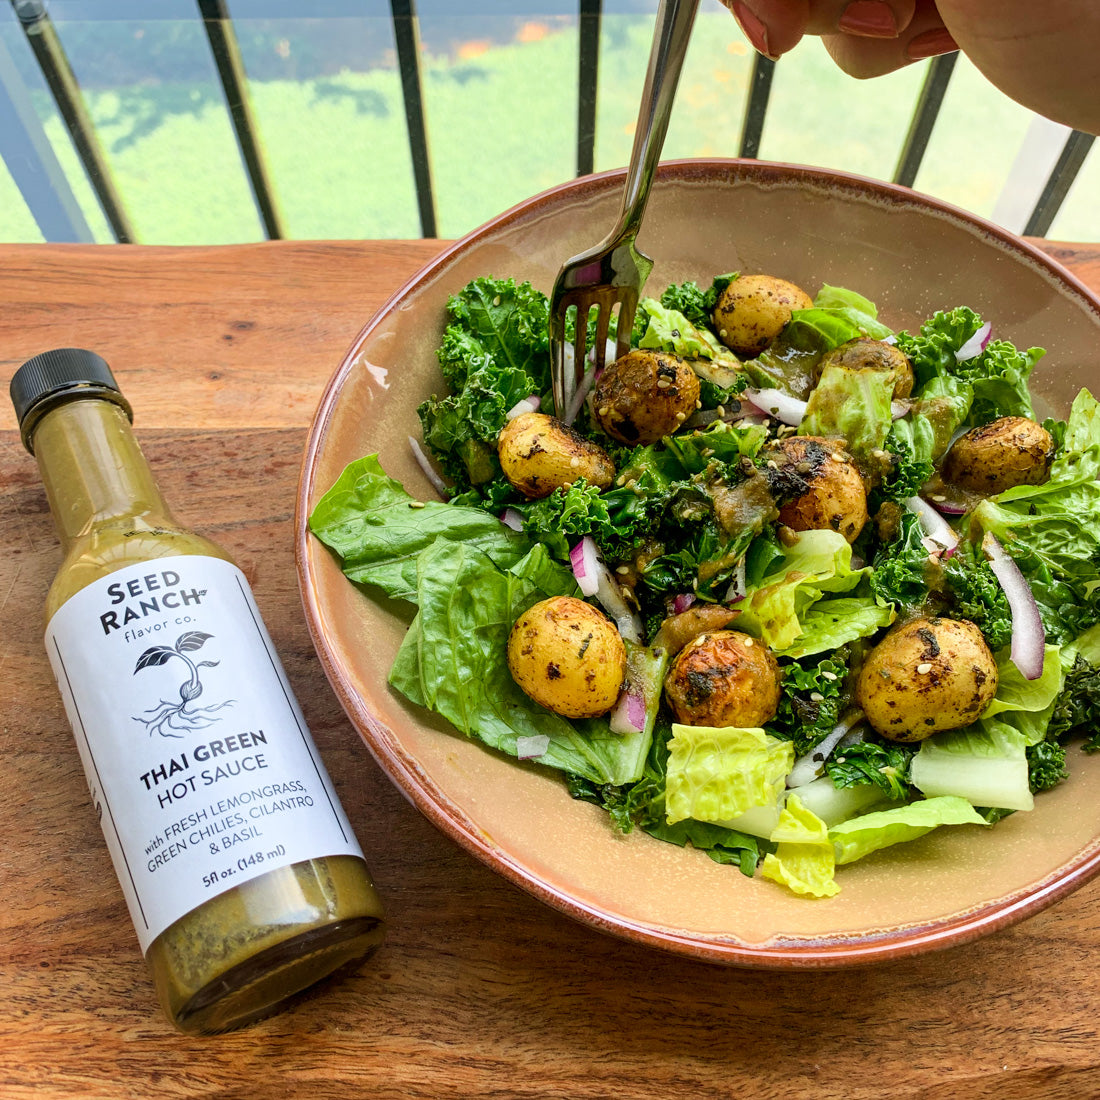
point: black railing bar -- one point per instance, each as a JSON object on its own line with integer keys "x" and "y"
{"x": 52, "y": 60}
{"x": 1065, "y": 170}
{"x": 590, "y": 21}
{"x": 406, "y": 36}
{"x": 32, "y": 163}
{"x": 924, "y": 117}
{"x": 760, "y": 88}
{"x": 227, "y": 58}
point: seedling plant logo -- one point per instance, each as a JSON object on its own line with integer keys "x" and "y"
{"x": 174, "y": 719}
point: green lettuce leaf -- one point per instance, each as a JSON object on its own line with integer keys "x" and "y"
{"x": 816, "y": 563}
{"x": 454, "y": 661}
{"x": 837, "y": 316}
{"x": 863, "y": 835}
{"x": 718, "y": 774}
{"x": 853, "y": 405}
{"x": 669, "y": 330}
{"x": 985, "y": 763}
{"x": 804, "y": 859}
{"x": 378, "y": 530}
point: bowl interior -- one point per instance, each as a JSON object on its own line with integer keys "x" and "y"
{"x": 911, "y": 256}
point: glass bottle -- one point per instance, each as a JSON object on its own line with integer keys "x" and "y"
{"x": 243, "y": 877}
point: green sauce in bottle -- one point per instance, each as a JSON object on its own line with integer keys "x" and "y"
{"x": 241, "y": 872}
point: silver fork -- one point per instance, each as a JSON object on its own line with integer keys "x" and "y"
{"x": 614, "y": 272}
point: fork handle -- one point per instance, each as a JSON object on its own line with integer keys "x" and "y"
{"x": 666, "y": 58}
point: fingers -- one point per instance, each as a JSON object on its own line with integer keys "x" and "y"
{"x": 924, "y": 36}
{"x": 775, "y": 26}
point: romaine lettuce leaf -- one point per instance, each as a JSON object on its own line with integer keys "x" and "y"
{"x": 804, "y": 859}
{"x": 837, "y": 316}
{"x": 717, "y": 774}
{"x": 669, "y": 330}
{"x": 454, "y": 661}
{"x": 868, "y": 833}
{"x": 853, "y": 405}
{"x": 985, "y": 763}
{"x": 378, "y": 530}
{"x": 816, "y": 563}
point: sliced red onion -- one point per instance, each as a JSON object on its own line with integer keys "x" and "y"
{"x": 530, "y": 748}
{"x": 975, "y": 345}
{"x": 935, "y": 527}
{"x": 511, "y": 518}
{"x": 1028, "y": 636}
{"x": 595, "y": 579}
{"x": 682, "y": 602}
{"x": 529, "y": 404}
{"x": 782, "y": 406}
{"x": 898, "y": 409}
{"x": 891, "y": 339}
{"x": 585, "y": 560}
{"x": 583, "y": 389}
{"x": 810, "y": 765}
{"x": 424, "y": 463}
{"x": 628, "y": 714}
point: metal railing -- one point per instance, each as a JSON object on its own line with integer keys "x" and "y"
{"x": 26, "y": 150}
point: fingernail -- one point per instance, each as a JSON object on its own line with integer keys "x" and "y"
{"x": 869, "y": 19}
{"x": 755, "y": 31}
{"x": 930, "y": 44}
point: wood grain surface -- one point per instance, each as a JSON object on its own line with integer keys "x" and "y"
{"x": 479, "y": 990}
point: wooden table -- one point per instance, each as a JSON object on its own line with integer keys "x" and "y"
{"x": 479, "y": 991}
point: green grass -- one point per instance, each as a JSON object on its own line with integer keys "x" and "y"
{"x": 501, "y": 127}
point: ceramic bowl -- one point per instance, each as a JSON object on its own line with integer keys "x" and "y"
{"x": 909, "y": 254}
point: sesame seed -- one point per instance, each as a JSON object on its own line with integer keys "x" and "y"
{"x": 924, "y": 666}
{"x": 663, "y": 383}
{"x": 828, "y": 675}
{"x": 620, "y": 480}
{"x": 622, "y": 570}
{"x": 939, "y": 498}
{"x": 681, "y": 416}
{"x": 496, "y": 300}
{"x": 604, "y": 410}
{"x": 416, "y": 504}
{"x": 722, "y": 333}
{"x": 721, "y": 411}
{"x": 877, "y": 453}
{"x": 698, "y": 404}
{"x": 574, "y": 462}
{"x": 816, "y": 697}
{"x": 748, "y": 643}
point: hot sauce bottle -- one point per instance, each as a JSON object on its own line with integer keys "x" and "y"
{"x": 243, "y": 877}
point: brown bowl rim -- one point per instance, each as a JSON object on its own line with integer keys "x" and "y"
{"x": 859, "y": 949}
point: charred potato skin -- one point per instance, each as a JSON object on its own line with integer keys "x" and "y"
{"x": 645, "y": 395}
{"x": 538, "y": 454}
{"x": 723, "y": 678}
{"x": 836, "y": 499}
{"x": 863, "y": 353}
{"x": 754, "y": 309}
{"x": 1011, "y": 450}
{"x": 568, "y": 657}
{"x": 927, "y": 676}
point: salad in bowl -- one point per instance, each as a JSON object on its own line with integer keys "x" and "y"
{"x": 783, "y": 585}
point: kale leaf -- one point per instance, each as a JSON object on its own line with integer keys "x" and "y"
{"x": 885, "y": 764}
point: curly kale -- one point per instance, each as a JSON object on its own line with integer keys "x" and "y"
{"x": 696, "y": 304}
{"x": 1078, "y": 705}
{"x": 1046, "y": 765}
{"x": 900, "y": 567}
{"x": 882, "y": 763}
{"x": 978, "y": 596}
{"x": 812, "y": 700}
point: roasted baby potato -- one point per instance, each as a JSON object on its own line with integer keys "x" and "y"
{"x": 723, "y": 678}
{"x": 925, "y": 676}
{"x": 568, "y": 657}
{"x": 836, "y": 499}
{"x": 754, "y": 309}
{"x": 1010, "y": 451}
{"x": 645, "y": 395}
{"x": 538, "y": 453}
{"x": 863, "y": 353}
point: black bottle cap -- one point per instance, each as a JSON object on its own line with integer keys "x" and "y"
{"x": 54, "y": 377}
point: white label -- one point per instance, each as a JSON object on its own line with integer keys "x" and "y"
{"x": 199, "y": 761}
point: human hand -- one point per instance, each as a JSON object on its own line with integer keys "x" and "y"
{"x": 1045, "y": 56}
